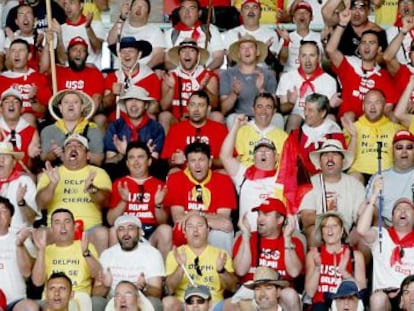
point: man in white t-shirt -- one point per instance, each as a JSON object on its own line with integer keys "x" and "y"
{"x": 133, "y": 260}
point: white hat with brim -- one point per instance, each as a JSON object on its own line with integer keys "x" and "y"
{"x": 174, "y": 52}
{"x": 261, "y": 47}
{"x": 331, "y": 145}
{"x": 321, "y": 218}
{"x": 266, "y": 275}
{"x": 134, "y": 92}
{"x": 79, "y": 138}
{"x": 7, "y": 148}
{"x": 12, "y": 92}
{"x": 87, "y": 104}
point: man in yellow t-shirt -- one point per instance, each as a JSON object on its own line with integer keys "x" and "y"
{"x": 203, "y": 263}
{"x": 81, "y": 188}
{"x": 364, "y": 135}
{"x": 76, "y": 258}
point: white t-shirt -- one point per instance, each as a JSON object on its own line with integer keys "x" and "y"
{"x": 128, "y": 265}
{"x": 324, "y": 84}
{"x": 403, "y": 54}
{"x": 11, "y": 280}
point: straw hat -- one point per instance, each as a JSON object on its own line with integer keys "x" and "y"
{"x": 174, "y": 52}
{"x": 134, "y": 92}
{"x": 261, "y": 47}
{"x": 331, "y": 145}
{"x": 266, "y": 275}
{"x": 87, "y": 101}
{"x": 7, "y": 148}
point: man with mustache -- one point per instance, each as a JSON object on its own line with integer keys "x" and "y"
{"x": 81, "y": 188}
{"x": 332, "y": 189}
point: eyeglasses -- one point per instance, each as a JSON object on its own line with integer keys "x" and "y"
{"x": 141, "y": 194}
{"x": 198, "y": 301}
{"x": 13, "y": 139}
{"x": 197, "y": 266}
{"x": 199, "y": 191}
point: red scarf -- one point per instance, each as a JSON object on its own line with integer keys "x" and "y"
{"x": 253, "y": 173}
{"x": 195, "y": 35}
{"x": 81, "y": 21}
{"x": 307, "y": 83}
{"x": 405, "y": 242}
{"x": 14, "y": 175}
{"x": 135, "y": 128}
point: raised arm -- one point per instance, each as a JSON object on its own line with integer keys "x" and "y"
{"x": 401, "y": 110}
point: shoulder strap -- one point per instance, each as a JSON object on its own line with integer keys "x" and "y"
{"x": 174, "y": 35}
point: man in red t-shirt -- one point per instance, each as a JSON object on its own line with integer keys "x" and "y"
{"x": 272, "y": 245}
{"x": 200, "y": 189}
{"x": 197, "y": 127}
{"x": 33, "y": 85}
{"x": 141, "y": 195}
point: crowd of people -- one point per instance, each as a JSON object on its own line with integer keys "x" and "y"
{"x": 238, "y": 169}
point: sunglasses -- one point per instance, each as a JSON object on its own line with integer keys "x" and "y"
{"x": 141, "y": 194}
{"x": 197, "y": 266}
{"x": 195, "y": 301}
{"x": 13, "y": 140}
{"x": 199, "y": 191}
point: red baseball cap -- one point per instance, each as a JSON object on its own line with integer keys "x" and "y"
{"x": 271, "y": 205}
{"x": 251, "y": 1}
{"x": 77, "y": 40}
{"x": 304, "y": 5}
{"x": 403, "y": 135}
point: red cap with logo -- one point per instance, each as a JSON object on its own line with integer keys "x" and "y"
{"x": 403, "y": 135}
{"x": 77, "y": 40}
{"x": 304, "y": 5}
{"x": 271, "y": 205}
{"x": 251, "y": 1}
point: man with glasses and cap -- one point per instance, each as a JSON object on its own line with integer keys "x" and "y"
{"x": 240, "y": 84}
{"x": 134, "y": 260}
{"x": 197, "y": 298}
{"x": 333, "y": 190}
{"x": 131, "y": 73}
{"x": 134, "y": 124}
{"x": 198, "y": 188}
{"x": 189, "y": 76}
{"x": 72, "y": 110}
{"x": 81, "y": 188}
{"x": 198, "y": 127}
{"x": 16, "y": 130}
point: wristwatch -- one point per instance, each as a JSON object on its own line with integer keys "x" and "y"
{"x": 21, "y": 203}
{"x": 87, "y": 253}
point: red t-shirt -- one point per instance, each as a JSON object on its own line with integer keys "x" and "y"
{"x": 183, "y": 133}
{"x": 330, "y": 278}
{"x": 355, "y": 84}
{"x": 90, "y": 80}
{"x": 272, "y": 254}
{"x": 141, "y": 198}
{"x": 24, "y": 82}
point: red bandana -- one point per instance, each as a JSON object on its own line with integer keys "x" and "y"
{"x": 14, "y": 175}
{"x": 195, "y": 35}
{"x": 307, "y": 83}
{"x": 81, "y": 21}
{"x": 405, "y": 242}
{"x": 135, "y": 128}
{"x": 253, "y": 173}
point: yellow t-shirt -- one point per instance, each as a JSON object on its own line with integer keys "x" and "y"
{"x": 411, "y": 128}
{"x": 91, "y": 7}
{"x": 248, "y": 135}
{"x": 208, "y": 265}
{"x": 69, "y": 193}
{"x": 387, "y": 13}
{"x": 69, "y": 259}
{"x": 366, "y": 156}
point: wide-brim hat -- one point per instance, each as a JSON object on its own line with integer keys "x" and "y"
{"x": 266, "y": 275}
{"x": 143, "y": 46}
{"x": 321, "y": 218}
{"x": 331, "y": 145}
{"x": 174, "y": 52}
{"x": 347, "y": 288}
{"x": 7, "y": 148}
{"x": 261, "y": 47}
{"x": 134, "y": 92}
{"x": 87, "y": 104}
